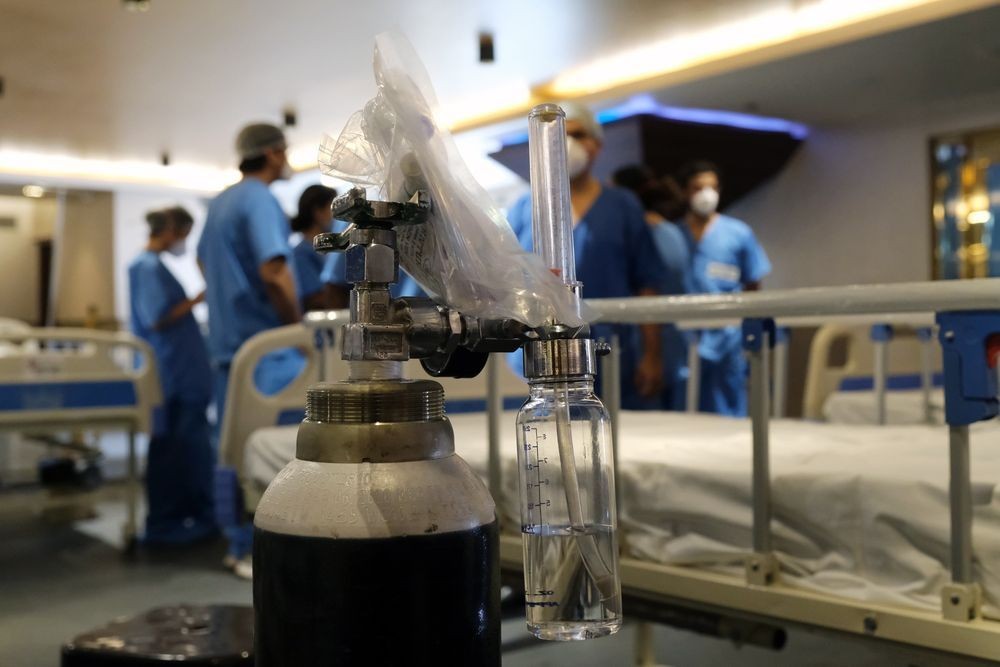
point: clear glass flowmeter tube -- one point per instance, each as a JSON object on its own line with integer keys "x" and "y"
{"x": 568, "y": 517}
{"x": 551, "y": 213}
{"x": 572, "y": 589}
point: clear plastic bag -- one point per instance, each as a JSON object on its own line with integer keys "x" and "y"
{"x": 466, "y": 256}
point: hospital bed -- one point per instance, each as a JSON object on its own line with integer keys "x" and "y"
{"x": 54, "y": 380}
{"x": 882, "y": 373}
{"x": 860, "y": 529}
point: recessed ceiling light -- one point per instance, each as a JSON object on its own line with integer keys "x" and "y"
{"x": 486, "y": 49}
{"x": 33, "y": 191}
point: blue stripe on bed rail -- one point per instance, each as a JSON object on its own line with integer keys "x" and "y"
{"x": 895, "y": 382}
{"x": 67, "y": 395}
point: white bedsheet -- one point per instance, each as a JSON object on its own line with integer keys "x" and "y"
{"x": 859, "y": 511}
{"x": 901, "y": 407}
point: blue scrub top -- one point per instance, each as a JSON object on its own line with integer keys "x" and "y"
{"x": 308, "y": 267}
{"x": 727, "y": 257}
{"x": 675, "y": 255}
{"x": 335, "y": 273}
{"x": 181, "y": 357}
{"x": 615, "y": 257}
{"x": 245, "y": 227}
{"x": 614, "y": 248}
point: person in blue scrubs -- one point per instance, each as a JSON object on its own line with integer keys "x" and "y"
{"x": 657, "y": 200}
{"x": 725, "y": 258}
{"x": 315, "y": 217}
{"x": 180, "y": 459}
{"x": 249, "y": 272}
{"x": 248, "y": 264}
{"x": 615, "y": 257}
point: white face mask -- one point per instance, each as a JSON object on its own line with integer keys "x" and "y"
{"x": 178, "y": 247}
{"x": 705, "y": 201}
{"x": 286, "y": 172}
{"x": 576, "y": 157}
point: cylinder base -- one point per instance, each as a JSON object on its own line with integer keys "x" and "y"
{"x": 410, "y": 600}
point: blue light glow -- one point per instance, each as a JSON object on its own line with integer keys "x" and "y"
{"x": 649, "y": 105}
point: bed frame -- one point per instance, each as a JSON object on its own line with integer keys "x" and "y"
{"x": 880, "y": 352}
{"x": 967, "y": 314}
{"x": 58, "y": 379}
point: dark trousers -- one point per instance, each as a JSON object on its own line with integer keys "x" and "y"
{"x": 179, "y": 474}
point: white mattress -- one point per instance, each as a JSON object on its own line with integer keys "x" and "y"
{"x": 860, "y": 511}
{"x": 901, "y": 407}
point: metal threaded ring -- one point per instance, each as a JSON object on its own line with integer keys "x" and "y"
{"x": 378, "y": 401}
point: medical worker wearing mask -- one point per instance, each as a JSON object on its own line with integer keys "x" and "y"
{"x": 615, "y": 256}
{"x": 725, "y": 257}
{"x": 248, "y": 264}
{"x": 181, "y": 460}
{"x": 315, "y": 217}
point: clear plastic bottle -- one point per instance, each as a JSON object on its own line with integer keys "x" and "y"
{"x": 572, "y": 589}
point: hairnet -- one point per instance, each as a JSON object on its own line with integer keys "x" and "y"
{"x": 256, "y": 138}
{"x": 582, "y": 114}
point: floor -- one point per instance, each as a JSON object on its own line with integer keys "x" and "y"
{"x": 60, "y": 579}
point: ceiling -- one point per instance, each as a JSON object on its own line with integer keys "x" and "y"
{"x": 89, "y": 79}
{"x": 924, "y": 69}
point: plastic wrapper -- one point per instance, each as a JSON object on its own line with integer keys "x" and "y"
{"x": 466, "y": 255}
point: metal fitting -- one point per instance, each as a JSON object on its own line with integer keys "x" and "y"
{"x": 375, "y": 422}
{"x": 559, "y": 358}
{"x": 371, "y": 257}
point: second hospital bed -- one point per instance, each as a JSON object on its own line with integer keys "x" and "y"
{"x": 859, "y": 514}
{"x": 55, "y": 379}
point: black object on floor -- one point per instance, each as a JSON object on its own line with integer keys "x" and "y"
{"x": 220, "y": 635}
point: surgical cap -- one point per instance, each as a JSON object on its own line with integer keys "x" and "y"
{"x": 582, "y": 114}
{"x": 256, "y": 138}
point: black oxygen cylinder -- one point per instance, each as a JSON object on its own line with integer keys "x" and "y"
{"x": 377, "y": 544}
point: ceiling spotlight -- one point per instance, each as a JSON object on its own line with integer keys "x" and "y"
{"x": 486, "y": 54}
{"x": 165, "y": 159}
{"x": 33, "y": 191}
{"x": 289, "y": 117}
{"x": 136, "y": 5}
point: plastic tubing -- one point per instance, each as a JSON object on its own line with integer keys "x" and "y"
{"x": 551, "y": 214}
{"x": 599, "y": 571}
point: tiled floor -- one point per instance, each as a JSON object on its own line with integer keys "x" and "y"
{"x": 59, "y": 580}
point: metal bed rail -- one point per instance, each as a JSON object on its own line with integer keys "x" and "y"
{"x": 968, "y": 316}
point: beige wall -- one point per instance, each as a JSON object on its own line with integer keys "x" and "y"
{"x": 853, "y": 205}
{"x": 85, "y": 257}
{"x": 19, "y": 257}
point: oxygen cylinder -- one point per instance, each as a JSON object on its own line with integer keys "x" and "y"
{"x": 377, "y": 544}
